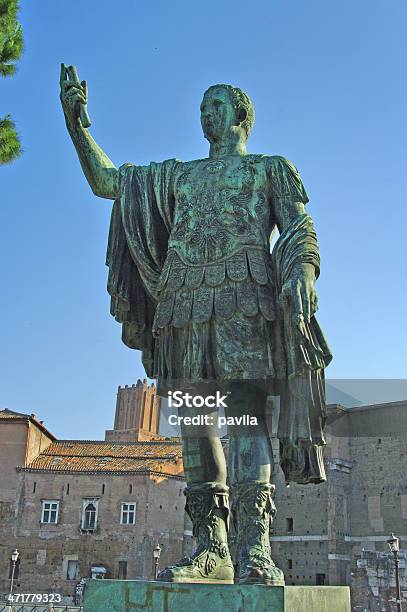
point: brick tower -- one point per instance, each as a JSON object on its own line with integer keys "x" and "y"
{"x": 137, "y": 415}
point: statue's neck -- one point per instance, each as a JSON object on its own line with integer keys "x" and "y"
{"x": 226, "y": 149}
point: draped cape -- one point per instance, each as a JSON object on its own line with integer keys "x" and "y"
{"x": 138, "y": 237}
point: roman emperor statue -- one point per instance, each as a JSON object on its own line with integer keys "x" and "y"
{"x": 196, "y": 289}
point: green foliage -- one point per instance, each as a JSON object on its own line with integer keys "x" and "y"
{"x": 11, "y": 51}
{"x": 11, "y": 37}
{"x": 11, "y": 48}
{"x": 10, "y": 147}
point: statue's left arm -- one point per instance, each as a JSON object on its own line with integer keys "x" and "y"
{"x": 288, "y": 206}
{"x": 305, "y": 353}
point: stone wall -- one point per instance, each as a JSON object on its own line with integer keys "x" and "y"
{"x": 37, "y": 441}
{"x": 22, "y": 438}
{"x": 338, "y": 524}
{"x": 13, "y": 442}
{"x": 45, "y": 549}
{"x": 300, "y": 531}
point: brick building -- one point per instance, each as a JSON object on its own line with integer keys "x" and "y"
{"x": 76, "y": 508}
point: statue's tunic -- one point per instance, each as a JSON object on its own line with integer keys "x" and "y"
{"x": 216, "y": 302}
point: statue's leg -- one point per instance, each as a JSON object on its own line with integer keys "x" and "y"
{"x": 203, "y": 456}
{"x": 207, "y": 504}
{"x": 250, "y": 456}
{"x": 250, "y": 465}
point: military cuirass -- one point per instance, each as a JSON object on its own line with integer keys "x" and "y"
{"x": 218, "y": 251}
{"x": 219, "y": 209}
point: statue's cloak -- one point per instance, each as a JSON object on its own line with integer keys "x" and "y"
{"x": 140, "y": 227}
{"x": 139, "y": 230}
{"x": 305, "y": 353}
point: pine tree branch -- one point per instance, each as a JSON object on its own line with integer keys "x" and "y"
{"x": 11, "y": 51}
{"x": 8, "y": 17}
{"x": 10, "y": 146}
{"x": 11, "y": 48}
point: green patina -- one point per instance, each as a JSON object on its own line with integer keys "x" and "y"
{"x": 129, "y": 595}
{"x": 196, "y": 289}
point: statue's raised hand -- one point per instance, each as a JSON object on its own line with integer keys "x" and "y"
{"x": 74, "y": 97}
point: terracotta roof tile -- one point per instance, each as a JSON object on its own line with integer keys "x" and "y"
{"x": 97, "y": 464}
{"x": 90, "y": 456}
{"x": 81, "y": 448}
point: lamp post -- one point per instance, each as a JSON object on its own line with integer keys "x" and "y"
{"x": 14, "y": 558}
{"x": 394, "y": 545}
{"x": 156, "y": 555}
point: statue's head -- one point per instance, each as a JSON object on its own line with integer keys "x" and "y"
{"x": 225, "y": 108}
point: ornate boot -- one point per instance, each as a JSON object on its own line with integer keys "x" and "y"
{"x": 208, "y": 508}
{"x": 253, "y": 509}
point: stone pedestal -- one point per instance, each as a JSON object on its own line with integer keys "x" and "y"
{"x": 132, "y": 595}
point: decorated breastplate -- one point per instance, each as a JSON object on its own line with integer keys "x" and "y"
{"x": 218, "y": 258}
{"x": 218, "y": 211}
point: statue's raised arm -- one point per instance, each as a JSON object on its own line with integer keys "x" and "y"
{"x": 100, "y": 172}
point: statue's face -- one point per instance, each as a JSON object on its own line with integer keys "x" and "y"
{"x": 217, "y": 114}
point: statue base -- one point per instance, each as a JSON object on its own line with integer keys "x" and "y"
{"x": 129, "y": 595}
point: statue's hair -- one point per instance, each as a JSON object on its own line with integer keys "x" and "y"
{"x": 240, "y": 99}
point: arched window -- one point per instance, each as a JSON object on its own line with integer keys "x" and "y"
{"x": 89, "y": 516}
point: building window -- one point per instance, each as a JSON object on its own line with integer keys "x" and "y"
{"x": 290, "y": 564}
{"x": 103, "y": 489}
{"x": 72, "y": 570}
{"x": 130, "y": 489}
{"x": 320, "y": 579}
{"x": 50, "y": 511}
{"x": 128, "y": 513}
{"x": 122, "y": 575}
{"x": 89, "y": 518}
{"x": 67, "y": 488}
{"x": 289, "y": 524}
{"x": 34, "y": 487}
{"x": 89, "y": 514}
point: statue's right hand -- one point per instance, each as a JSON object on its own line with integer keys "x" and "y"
{"x": 74, "y": 97}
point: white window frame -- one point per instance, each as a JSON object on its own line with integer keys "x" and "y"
{"x": 50, "y": 503}
{"x": 126, "y": 511}
{"x": 85, "y": 502}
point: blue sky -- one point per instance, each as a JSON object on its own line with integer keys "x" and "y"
{"x": 327, "y": 80}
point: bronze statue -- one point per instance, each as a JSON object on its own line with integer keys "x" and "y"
{"x": 196, "y": 289}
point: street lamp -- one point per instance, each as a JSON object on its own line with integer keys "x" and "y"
{"x": 394, "y": 545}
{"x": 14, "y": 557}
{"x": 156, "y": 555}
